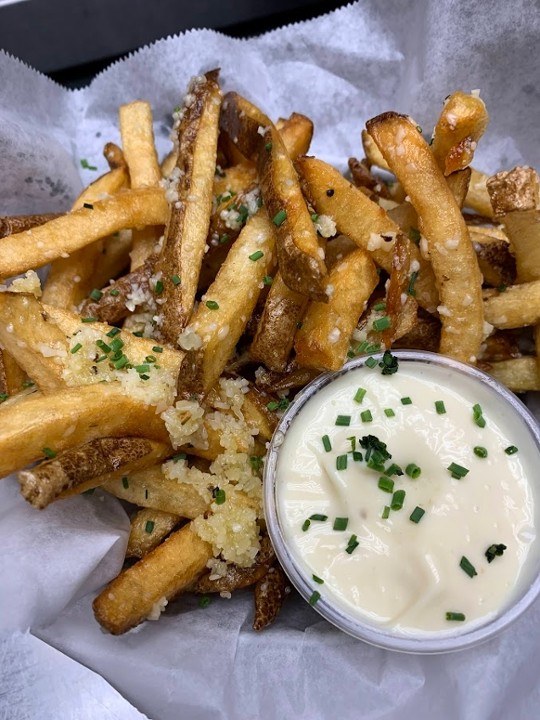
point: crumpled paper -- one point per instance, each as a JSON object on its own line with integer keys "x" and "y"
{"x": 339, "y": 69}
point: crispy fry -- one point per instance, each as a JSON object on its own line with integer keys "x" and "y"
{"x": 10, "y": 224}
{"x": 372, "y": 152}
{"x": 270, "y": 594}
{"x": 323, "y": 340}
{"x": 518, "y": 374}
{"x": 293, "y": 378}
{"x": 425, "y": 335}
{"x": 452, "y": 256}
{"x": 12, "y": 376}
{"x": 495, "y": 260}
{"x": 114, "y": 156}
{"x": 237, "y": 577}
{"x": 28, "y": 332}
{"x": 222, "y": 316}
{"x": 362, "y": 221}
{"x": 461, "y": 124}
{"x": 477, "y": 195}
{"x": 458, "y": 182}
{"x": 298, "y": 248}
{"x": 402, "y": 313}
{"x": 44, "y": 483}
{"x": 517, "y": 306}
{"x": 187, "y": 228}
{"x": 148, "y": 529}
{"x": 150, "y": 488}
{"x": 363, "y": 178}
{"x": 296, "y": 132}
{"x": 70, "y": 417}
{"x": 256, "y": 412}
{"x": 159, "y": 576}
{"x": 283, "y": 310}
{"x": 37, "y": 247}
{"x": 235, "y": 179}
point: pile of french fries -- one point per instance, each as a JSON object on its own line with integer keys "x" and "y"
{"x": 187, "y": 301}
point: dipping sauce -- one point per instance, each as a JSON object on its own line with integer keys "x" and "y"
{"x": 391, "y": 488}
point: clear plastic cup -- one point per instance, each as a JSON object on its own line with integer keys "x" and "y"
{"x": 424, "y": 643}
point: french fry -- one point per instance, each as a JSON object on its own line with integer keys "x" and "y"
{"x": 323, "y": 340}
{"x": 495, "y": 260}
{"x": 270, "y": 594}
{"x": 517, "y": 306}
{"x": 148, "y": 529}
{"x": 362, "y": 220}
{"x": 256, "y": 412}
{"x": 293, "y": 378}
{"x": 237, "y": 577}
{"x": 363, "y": 178}
{"x": 424, "y": 335}
{"x": 66, "y": 472}
{"x": 518, "y": 374}
{"x": 187, "y": 228}
{"x": 69, "y": 417}
{"x": 298, "y": 248}
{"x": 37, "y": 247}
{"x": 296, "y": 131}
{"x": 223, "y": 314}
{"x": 152, "y": 489}
{"x": 10, "y": 224}
{"x": 477, "y": 195}
{"x": 452, "y": 257}
{"x": 401, "y": 306}
{"x": 372, "y": 152}
{"x": 30, "y": 335}
{"x": 114, "y": 156}
{"x": 458, "y": 182}
{"x": 159, "y": 576}
{"x": 12, "y": 376}
{"x": 283, "y": 310}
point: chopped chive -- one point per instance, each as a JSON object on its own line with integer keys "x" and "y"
{"x": 382, "y": 324}
{"x": 90, "y": 491}
{"x": 417, "y": 514}
{"x": 419, "y": 129}
{"x": 413, "y": 471}
{"x": 317, "y": 579}
{"x": 386, "y": 484}
{"x": 478, "y": 417}
{"x": 397, "y": 500}
{"x": 219, "y": 497}
{"x": 480, "y": 452}
{"x": 76, "y": 348}
{"x": 511, "y": 450}
{"x": 158, "y": 287}
{"x": 223, "y": 239}
{"x": 467, "y": 567}
{"x": 389, "y": 412}
{"x": 315, "y": 597}
{"x": 101, "y": 358}
{"x": 386, "y": 512}
{"x": 366, "y": 416}
{"x": 414, "y": 235}
{"x": 175, "y": 279}
{"x": 212, "y": 305}
{"x": 371, "y": 362}
{"x": 150, "y": 359}
{"x": 268, "y": 146}
{"x": 88, "y": 206}
{"x": 340, "y": 523}
{"x": 205, "y": 601}
{"x": 142, "y": 368}
{"x": 125, "y": 482}
{"x": 144, "y": 377}
{"x": 88, "y": 319}
{"x": 357, "y": 456}
{"x": 341, "y": 462}
{"x": 326, "y": 443}
{"x": 117, "y": 344}
{"x": 28, "y": 383}
{"x": 281, "y": 404}
{"x": 305, "y": 525}
{"x": 460, "y": 617}
{"x": 256, "y": 255}
{"x": 49, "y": 452}
{"x": 374, "y": 347}
{"x": 103, "y": 346}
{"x": 440, "y": 407}
{"x": 344, "y": 420}
{"x": 318, "y": 517}
{"x": 149, "y": 527}
{"x": 374, "y": 464}
{"x": 256, "y": 462}
{"x": 180, "y": 456}
{"x": 86, "y": 166}
{"x": 389, "y": 363}
{"x": 113, "y": 331}
{"x": 494, "y": 551}
{"x": 457, "y": 471}
{"x": 138, "y": 333}
{"x": 121, "y": 362}
{"x": 393, "y": 469}
{"x": 502, "y": 288}
{"x": 157, "y": 349}
{"x": 352, "y": 440}
{"x": 3, "y": 397}
{"x": 360, "y": 395}
{"x": 96, "y": 294}
{"x": 412, "y": 281}
{"x": 279, "y": 217}
{"x": 114, "y": 292}
{"x": 314, "y": 217}
{"x": 380, "y": 306}
{"x": 406, "y": 401}
{"x": 352, "y": 544}
{"x": 267, "y": 280}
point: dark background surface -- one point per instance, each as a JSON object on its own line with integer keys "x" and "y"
{"x": 73, "y": 40}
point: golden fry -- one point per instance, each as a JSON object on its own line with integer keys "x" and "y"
{"x": 148, "y": 529}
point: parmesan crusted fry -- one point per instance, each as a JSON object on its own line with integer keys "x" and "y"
{"x": 158, "y": 577}
{"x": 452, "y": 257}
{"x": 37, "y": 247}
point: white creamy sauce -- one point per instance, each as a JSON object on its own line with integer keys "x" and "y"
{"x": 404, "y": 575}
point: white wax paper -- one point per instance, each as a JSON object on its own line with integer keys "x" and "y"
{"x": 197, "y": 664}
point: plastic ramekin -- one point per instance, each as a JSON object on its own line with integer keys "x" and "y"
{"x": 351, "y": 624}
